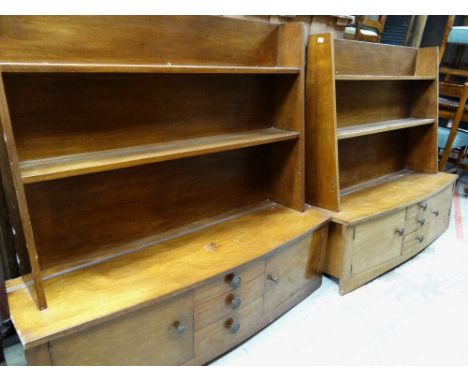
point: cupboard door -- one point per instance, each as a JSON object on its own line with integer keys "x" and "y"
{"x": 292, "y": 268}
{"x": 377, "y": 241}
{"x": 161, "y": 334}
{"x": 439, "y": 212}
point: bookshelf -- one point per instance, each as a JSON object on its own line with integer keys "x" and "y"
{"x": 371, "y": 154}
{"x": 155, "y": 166}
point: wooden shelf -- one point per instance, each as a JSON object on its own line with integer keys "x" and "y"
{"x": 395, "y": 193}
{"x": 62, "y": 67}
{"x": 380, "y": 127}
{"x": 156, "y": 272}
{"x": 65, "y": 166}
{"x": 359, "y": 77}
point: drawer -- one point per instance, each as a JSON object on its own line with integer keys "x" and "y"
{"x": 227, "y": 303}
{"x": 157, "y": 335}
{"x": 416, "y": 241}
{"x": 291, "y": 269}
{"x": 418, "y": 210}
{"x": 377, "y": 241}
{"x": 228, "y": 282}
{"x": 227, "y": 332}
{"x": 417, "y": 221}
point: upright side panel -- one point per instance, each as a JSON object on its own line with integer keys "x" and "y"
{"x": 15, "y": 190}
{"x": 422, "y": 143}
{"x": 288, "y": 157}
{"x": 322, "y": 185}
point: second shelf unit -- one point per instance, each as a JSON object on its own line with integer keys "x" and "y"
{"x": 371, "y": 116}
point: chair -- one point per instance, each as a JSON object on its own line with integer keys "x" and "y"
{"x": 458, "y": 36}
{"x": 452, "y": 105}
{"x": 366, "y": 28}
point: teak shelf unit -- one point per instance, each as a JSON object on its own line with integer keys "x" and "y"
{"x": 155, "y": 166}
{"x": 371, "y": 154}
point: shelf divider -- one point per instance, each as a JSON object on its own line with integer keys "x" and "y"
{"x": 380, "y": 127}
{"x": 70, "y": 165}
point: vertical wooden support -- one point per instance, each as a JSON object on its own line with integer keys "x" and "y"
{"x": 288, "y": 157}
{"x": 38, "y": 355}
{"x": 322, "y": 184}
{"x": 422, "y": 143}
{"x": 12, "y": 181}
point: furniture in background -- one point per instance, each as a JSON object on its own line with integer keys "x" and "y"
{"x": 4, "y": 312}
{"x": 371, "y": 154}
{"x": 366, "y": 28}
{"x": 335, "y": 24}
{"x": 453, "y": 106}
{"x": 456, "y": 36}
{"x": 156, "y": 169}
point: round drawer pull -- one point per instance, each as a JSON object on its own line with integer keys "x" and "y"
{"x": 234, "y": 302}
{"x": 235, "y": 281}
{"x": 400, "y": 231}
{"x": 423, "y": 206}
{"x": 234, "y": 327}
{"x": 436, "y": 213}
{"x": 274, "y": 279}
{"x": 422, "y": 221}
{"x": 179, "y": 327}
{"x": 420, "y": 238}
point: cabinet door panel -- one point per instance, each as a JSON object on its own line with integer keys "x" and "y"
{"x": 293, "y": 268}
{"x": 148, "y": 336}
{"x": 376, "y": 241}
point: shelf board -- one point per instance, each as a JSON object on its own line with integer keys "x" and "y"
{"x": 391, "y": 193}
{"x": 157, "y": 271}
{"x": 62, "y": 67}
{"x": 380, "y": 127}
{"x": 71, "y": 165}
{"x": 359, "y": 77}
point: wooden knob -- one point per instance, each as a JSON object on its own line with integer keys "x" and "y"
{"x": 274, "y": 279}
{"x": 234, "y": 302}
{"x": 235, "y": 281}
{"x": 179, "y": 327}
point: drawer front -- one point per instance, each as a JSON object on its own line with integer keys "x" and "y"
{"x": 417, "y": 210}
{"x": 149, "y": 336}
{"x": 228, "y": 282}
{"x": 227, "y": 303}
{"x": 417, "y": 220}
{"x": 223, "y": 334}
{"x": 292, "y": 268}
{"x": 415, "y": 241}
{"x": 377, "y": 241}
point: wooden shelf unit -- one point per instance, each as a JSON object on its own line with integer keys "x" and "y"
{"x": 371, "y": 137}
{"x": 142, "y": 182}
